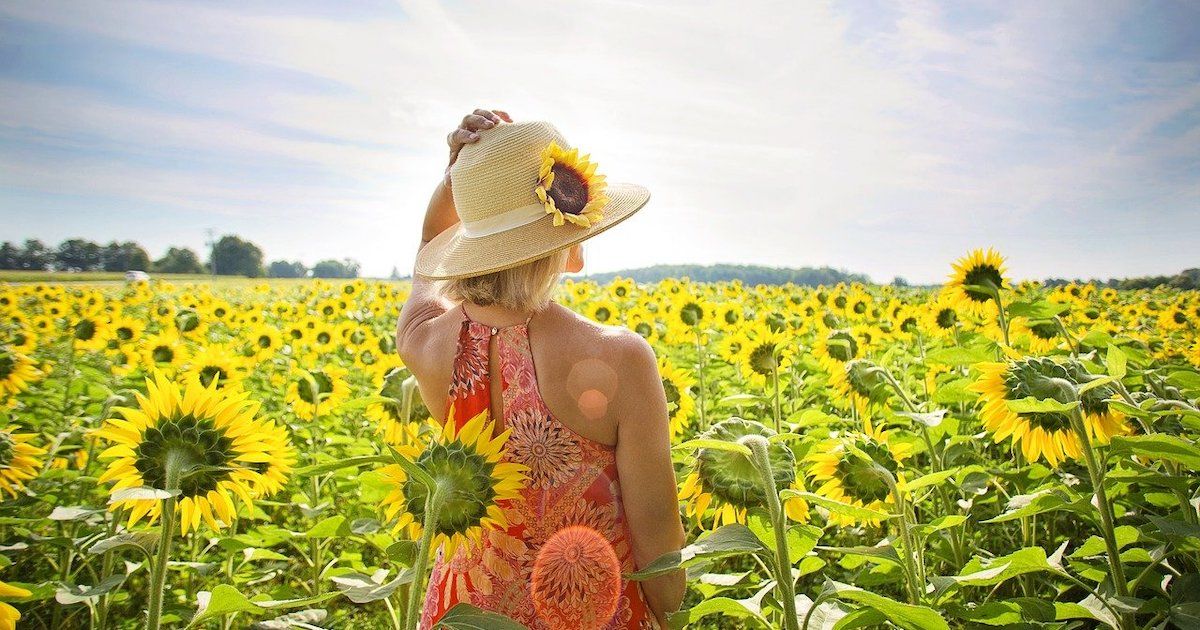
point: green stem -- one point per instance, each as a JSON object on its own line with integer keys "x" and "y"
{"x": 783, "y": 564}
{"x": 701, "y": 358}
{"x": 433, "y": 505}
{"x": 1106, "y": 514}
{"x": 916, "y": 581}
{"x": 775, "y": 405}
{"x": 176, "y": 461}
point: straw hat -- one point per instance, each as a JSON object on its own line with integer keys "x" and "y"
{"x": 522, "y": 193}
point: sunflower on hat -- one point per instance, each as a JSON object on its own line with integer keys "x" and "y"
{"x": 569, "y": 186}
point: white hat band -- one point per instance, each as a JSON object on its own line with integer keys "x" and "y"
{"x": 504, "y": 221}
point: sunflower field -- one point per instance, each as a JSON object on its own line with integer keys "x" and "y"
{"x": 252, "y": 454}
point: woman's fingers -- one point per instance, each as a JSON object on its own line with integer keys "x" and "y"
{"x": 476, "y": 122}
{"x": 489, "y": 114}
{"x": 459, "y": 137}
{"x": 503, "y": 115}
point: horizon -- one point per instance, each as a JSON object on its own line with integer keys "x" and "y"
{"x": 881, "y": 140}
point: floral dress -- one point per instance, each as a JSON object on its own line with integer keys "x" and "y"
{"x": 572, "y": 481}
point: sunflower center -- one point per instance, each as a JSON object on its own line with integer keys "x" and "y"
{"x": 6, "y": 449}
{"x": 124, "y": 333}
{"x": 305, "y": 388}
{"x": 984, "y": 276}
{"x": 603, "y": 314}
{"x": 671, "y": 391}
{"x": 466, "y": 474}
{"x": 264, "y": 341}
{"x": 946, "y": 318}
{"x": 569, "y": 190}
{"x": 187, "y": 321}
{"x": 85, "y": 330}
{"x": 909, "y": 324}
{"x": 1045, "y": 331}
{"x": 206, "y": 449}
{"x": 210, "y": 372}
{"x": 8, "y": 365}
{"x": 163, "y": 354}
{"x": 643, "y": 329}
{"x": 691, "y": 313}
{"x": 842, "y": 346}
{"x": 731, "y": 317}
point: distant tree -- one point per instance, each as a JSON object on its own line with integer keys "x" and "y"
{"x": 124, "y": 257}
{"x": 10, "y": 256}
{"x": 285, "y": 269}
{"x": 36, "y": 256}
{"x": 395, "y": 274}
{"x": 748, "y": 274}
{"x": 78, "y": 254}
{"x": 899, "y": 281}
{"x": 179, "y": 260}
{"x": 233, "y": 256}
{"x": 345, "y": 268}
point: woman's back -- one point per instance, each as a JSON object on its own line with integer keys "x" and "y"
{"x": 568, "y": 365}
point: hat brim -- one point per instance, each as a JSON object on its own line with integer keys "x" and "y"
{"x": 453, "y": 254}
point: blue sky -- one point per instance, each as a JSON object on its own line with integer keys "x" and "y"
{"x": 885, "y": 138}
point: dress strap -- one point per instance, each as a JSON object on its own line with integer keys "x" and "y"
{"x": 462, "y": 307}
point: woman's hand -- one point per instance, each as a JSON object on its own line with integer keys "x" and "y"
{"x": 468, "y": 132}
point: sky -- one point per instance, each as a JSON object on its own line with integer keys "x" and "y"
{"x": 878, "y": 137}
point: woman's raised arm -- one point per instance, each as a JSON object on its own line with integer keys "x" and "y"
{"x": 423, "y": 304}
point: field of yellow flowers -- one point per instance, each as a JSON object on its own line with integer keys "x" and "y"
{"x": 987, "y": 454}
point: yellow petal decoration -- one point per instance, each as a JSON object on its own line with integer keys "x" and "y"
{"x": 569, "y": 187}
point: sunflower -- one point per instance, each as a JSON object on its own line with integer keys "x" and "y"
{"x": 604, "y": 311}
{"x": 19, "y": 461}
{"x": 125, "y": 330}
{"x": 731, "y": 483}
{"x": 1048, "y": 434}
{"x": 331, "y": 390}
{"x": 204, "y": 442}
{"x": 1040, "y": 335}
{"x": 569, "y": 187}
{"x": 469, "y": 464}
{"x": 17, "y": 371}
{"x": 839, "y": 473}
{"x": 265, "y": 341}
{"x": 8, "y": 614}
{"x": 216, "y": 363}
{"x": 273, "y": 474}
{"x": 978, "y": 269}
{"x": 89, "y": 331}
{"x": 164, "y": 350}
{"x": 621, "y": 288}
{"x": 394, "y": 416}
{"x": 764, "y": 354}
{"x": 677, "y": 385}
{"x": 859, "y": 385}
{"x": 835, "y": 347}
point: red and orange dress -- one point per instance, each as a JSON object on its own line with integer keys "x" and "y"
{"x": 572, "y": 481}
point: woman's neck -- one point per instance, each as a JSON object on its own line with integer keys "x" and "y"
{"x": 493, "y": 315}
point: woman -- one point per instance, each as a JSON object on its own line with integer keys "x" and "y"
{"x": 590, "y": 421}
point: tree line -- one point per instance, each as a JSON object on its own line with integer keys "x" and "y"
{"x": 1185, "y": 280}
{"x": 748, "y": 274}
{"x": 230, "y": 256}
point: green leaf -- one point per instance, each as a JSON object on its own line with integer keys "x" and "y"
{"x": 361, "y": 588}
{"x": 726, "y": 540}
{"x": 1096, "y": 382}
{"x": 467, "y": 617}
{"x": 1030, "y": 404}
{"x": 930, "y": 419}
{"x": 1158, "y": 446}
{"x": 1038, "y": 309}
{"x": 720, "y": 445}
{"x": 145, "y": 541}
{"x": 1116, "y": 362}
{"x": 1040, "y": 502}
{"x": 226, "y": 600}
{"x": 737, "y": 400}
{"x": 944, "y": 522}
{"x": 1185, "y": 379}
{"x": 416, "y": 472}
{"x": 68, "y": 594}
{"x": 845, "y": 509}
{"x": 741, "y": 609}
{"x": 931, "y": 479}
{"x": 332, "y": 527}
{"x": 63, "y": 513}
{"x": 907, "y": 616}
{"x": 1125, "y": 535}
{"x": 991, "y": 571}
{"x": 958, "y": 355}
{"x": 800, "y": 538}
{"x": 300, "y": 619}
{"x": 350, "y": 462}
{"x": 883, "y": 552}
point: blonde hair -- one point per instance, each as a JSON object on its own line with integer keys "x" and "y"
{"x": 526, "y": 287}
